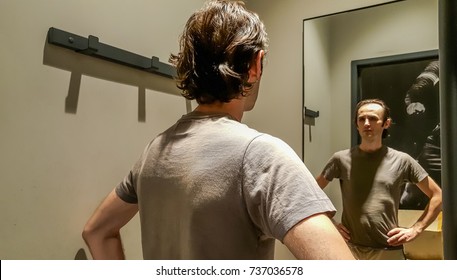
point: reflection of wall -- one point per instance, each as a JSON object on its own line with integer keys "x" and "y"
{"x": 403, "y": 27}
{"x": 278, "y": 110}
{"x": 318, "y": 45}
{"x": 398, "y": 28}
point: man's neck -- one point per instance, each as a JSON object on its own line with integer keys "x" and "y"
{"x": 370, "y": 147}
{"x": 233, "y": 108}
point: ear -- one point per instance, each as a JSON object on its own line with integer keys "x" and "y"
{"x": 387, "y": 123}
{"x": 255, "y": 70}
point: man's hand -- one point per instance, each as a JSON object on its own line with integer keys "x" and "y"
{"x": 399, "y": 236}
{"x": 343, "y": 231}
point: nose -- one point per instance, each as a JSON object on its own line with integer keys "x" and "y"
{"x": 366, "y": 122}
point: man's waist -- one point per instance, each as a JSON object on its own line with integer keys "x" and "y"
{"x": 400, "y": 247}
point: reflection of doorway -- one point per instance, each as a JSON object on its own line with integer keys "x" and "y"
{"x": 409, "y": 85}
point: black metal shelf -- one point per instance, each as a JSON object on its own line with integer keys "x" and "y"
{"x": 91, "y": 46}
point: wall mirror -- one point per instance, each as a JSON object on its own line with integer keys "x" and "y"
{"x": 392, "y": 34}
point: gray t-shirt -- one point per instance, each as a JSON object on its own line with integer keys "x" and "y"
{"x": 371, "y": 185}
{"x": 210, "y": 187}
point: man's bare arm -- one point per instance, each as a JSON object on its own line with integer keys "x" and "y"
{"x": 431, "y": 212}
{"x": 321, "y": 181}
{"x": 398, "y": 236}
{"x": 102, "y": 231}
{"x": 317, "y": 238}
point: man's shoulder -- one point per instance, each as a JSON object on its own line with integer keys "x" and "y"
{"x": 267, "y": 140}
{"x": 270, "y": 147}
{"x": 400, "y": 157}
{"x": 397, "y": 153}
{"x": 344, "y": 152}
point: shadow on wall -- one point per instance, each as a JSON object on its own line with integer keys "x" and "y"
{"x": 79, "y": 64}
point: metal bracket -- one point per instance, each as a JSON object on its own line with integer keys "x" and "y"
{"x": 310, "y": 113}
{"x": 309, "y": 117}
{"x": 91, "y": 46}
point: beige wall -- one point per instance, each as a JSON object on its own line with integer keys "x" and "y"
{"x": 58, "y": 161}
{"x": 55, "y": 167}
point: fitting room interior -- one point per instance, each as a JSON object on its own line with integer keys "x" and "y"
{"x": 73, "y": 124}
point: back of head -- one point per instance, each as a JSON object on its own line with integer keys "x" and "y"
{"x": 216, "y": 48}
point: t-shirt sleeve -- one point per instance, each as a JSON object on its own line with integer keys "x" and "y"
{"x": 126, "y": 190}
{"x": 416, "y": 172}
{"x": 331, "y": 169}
{"x": 278, "y": 189}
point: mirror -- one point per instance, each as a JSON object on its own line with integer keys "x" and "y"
{"x": 331, "y": 44}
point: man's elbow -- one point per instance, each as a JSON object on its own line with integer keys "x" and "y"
{"x": 88, "y": 234}
{"x": 94, "y": 233}
{"x": 321, "y": 181}
{"x": 438, "y": 197}
{"x": 91, "y": 232}
{"x": 438, "y": 194}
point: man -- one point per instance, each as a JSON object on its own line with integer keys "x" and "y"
{"x": 371, "y": 177}
{"x": 209, "y": 187}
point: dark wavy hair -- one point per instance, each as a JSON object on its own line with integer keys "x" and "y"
{"x": 386, "y": 114}
{"x": 217, "y": 45}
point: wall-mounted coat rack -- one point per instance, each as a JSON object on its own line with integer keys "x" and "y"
{"x": 91, "y": 46}
{"x": 309, "y": 118}
{"x": 310, "y": 113}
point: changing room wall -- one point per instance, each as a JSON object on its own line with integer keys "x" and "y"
{"x": 72, "y": 125}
